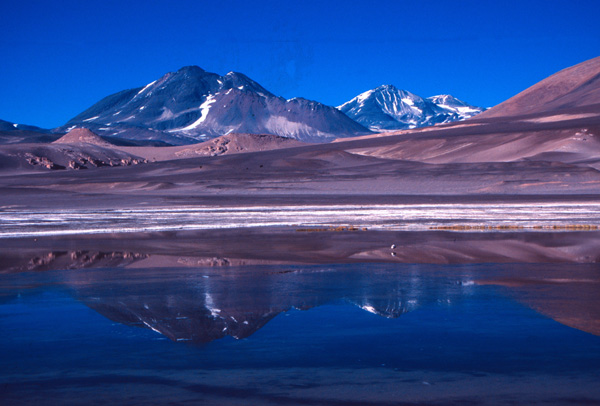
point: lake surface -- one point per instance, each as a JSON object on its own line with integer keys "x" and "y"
{"x": 347, "y": 334}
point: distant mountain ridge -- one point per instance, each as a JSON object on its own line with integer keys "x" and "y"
{"x": 13, "y": 133}
{"x": 9, "y": 126}
{"x": 193, "y": 105}
{"x": 389, "y": 108}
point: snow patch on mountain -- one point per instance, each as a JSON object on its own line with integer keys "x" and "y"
{"x": 144, "y": 89}
{"x": 204, "y": 109}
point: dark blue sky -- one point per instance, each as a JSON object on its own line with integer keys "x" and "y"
{"x": 60, "y": 57}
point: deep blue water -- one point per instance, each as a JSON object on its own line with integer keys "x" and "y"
{"x": 306, "y": 335}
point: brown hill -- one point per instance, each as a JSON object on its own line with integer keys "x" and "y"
{"x": 27, "y": 157}
{"x": 82, "y": 135}
{"x": 233, "y": 143}
{"x": 578, "y": 143}
{"x": 576, "y": 86}
{"x": 237, "y": 143}
{"x": 80, "y": 148}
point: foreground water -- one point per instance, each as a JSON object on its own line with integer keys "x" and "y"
{"x": 354, "y": 334}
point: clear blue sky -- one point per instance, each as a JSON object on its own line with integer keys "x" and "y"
{"x": 60, "y": 57}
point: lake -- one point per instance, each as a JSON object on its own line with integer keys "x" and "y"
{"x": 116, "y": 327}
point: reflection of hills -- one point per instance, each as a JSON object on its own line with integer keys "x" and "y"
{"x": 76, "y": 259}
{"x": 224, "y": 248}
{"x": 157, "y": 280}
{"x": 202, "y": 305}
{"x": 568, "y": 295}
{"x": 185, "y": 305}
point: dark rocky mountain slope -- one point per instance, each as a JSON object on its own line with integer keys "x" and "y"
{"x": 192, "y": 105}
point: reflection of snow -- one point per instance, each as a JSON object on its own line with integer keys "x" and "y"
{"x": 210, "y": 305}
{"x": 370, "y": 309}
{"x": 150, "y": 327}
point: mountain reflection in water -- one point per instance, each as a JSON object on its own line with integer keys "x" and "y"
{"x": 202, "y": 305}
{"x": 203, "y": 286}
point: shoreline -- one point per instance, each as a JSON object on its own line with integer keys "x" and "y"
{"x": 548, "y": 216}
{"x": 264, "y": 246}
{"x": 39, "y": 198}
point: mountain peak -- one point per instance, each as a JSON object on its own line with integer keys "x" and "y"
{"x": 445, "y": 98}
{"x": 191, "y": 69}
{"x": 388, "y": 108}
{"x": 242, "y": 82}
{"x": 237, "y": 76}
{"x": 381, "y": 92}
{"x": 189, "y": 74}
{"x": 386, "y": 86}
{"x": 390, "y": 88}
{"x": 400, "y": 92}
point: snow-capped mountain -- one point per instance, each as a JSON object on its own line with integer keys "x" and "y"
{"x": 192, "y": 105}
{"x": 389, "y": 108}
{"x": 452, "y": 104}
